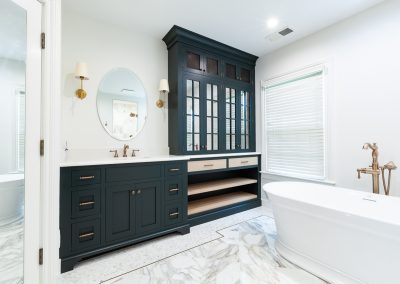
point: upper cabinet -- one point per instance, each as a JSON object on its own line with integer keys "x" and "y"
{"x": 211, "y": 99}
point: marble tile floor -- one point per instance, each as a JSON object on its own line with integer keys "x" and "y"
{"x": 234, "y": 249}
{"x": 11, "y": 252}
{"x": 245, "y": 254}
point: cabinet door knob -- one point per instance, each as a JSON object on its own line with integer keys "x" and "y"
{"x": 139, "y": 191}
{"x": 133, "y": 192}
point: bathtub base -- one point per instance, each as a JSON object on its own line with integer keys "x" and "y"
{"x": 313, "y": 266}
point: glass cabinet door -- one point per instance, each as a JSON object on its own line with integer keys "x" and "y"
{"x": 244, "y": 120}
{"x": 193, "y": 116}
{"x": 212, "y": 117}
{"x": 230, "y": 118}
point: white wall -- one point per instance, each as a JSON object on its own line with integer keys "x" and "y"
{"x": 12, "y": 76}
{"x": 105, "y": 47}
{"x": 364, "y": 89}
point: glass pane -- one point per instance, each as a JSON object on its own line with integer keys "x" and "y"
{"x": 228, "y": 126}
{"x": 209, "y": 108}
{"x": 228, "y": 142}
{"x": 215, "y": 109}
{"x": 243, "y": 142}
{"x": 208, "y": 92}
{"x": 245, "y": 75}
{"x": 189, "y": 106}
{"x": 196, "y": 89}
{"x": 230, "y": 71}
{"x": 189, "y": 142}
{"x": 209, "y": 126}
{"x": 215, "y": 92}
{"x": 212, "y": 66}
{"x": 193, "y": 61}
{"x": 12, "y": 151}
{"x": 209, "y": 142}
{"x": 228, "y": 111}
{"x": 233, "y": 142}
{"x": 189, "y": 124}
{"x": 247, "y": 142}
{"x": 233, "y": 128}
{"x": 215, "y": 142}
{"x": 233, "y": 110}
{"x": 189, "y": 88}
{"x": 227, "y": 95}
{"x": 215, "y": 125}
{"x": 242, "y": 129}
{"x": 196, "y": 124}
{"x": 196, "y": 142}
{"x": 196, "y": 109}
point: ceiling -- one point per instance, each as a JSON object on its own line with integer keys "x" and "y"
{"x": 239, "y": 23}
{"x": 12, "y": 31}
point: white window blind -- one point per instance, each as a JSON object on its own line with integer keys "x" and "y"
{"x": 20, "y": 130}
{"x": 295, "y": 124}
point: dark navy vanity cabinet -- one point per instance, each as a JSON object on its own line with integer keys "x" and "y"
{"x": 110, "y": 206}
{"x": 211, "y": 100}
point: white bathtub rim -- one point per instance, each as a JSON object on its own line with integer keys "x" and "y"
{"x": 273, "y": 192}
{"x": 8, "y": 180}
{"x": 313, "y": 266}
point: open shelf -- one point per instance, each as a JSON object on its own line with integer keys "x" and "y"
{"x": 208, "y": 186}
{"x": 210, "y": 203}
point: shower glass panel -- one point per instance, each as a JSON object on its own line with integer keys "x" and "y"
{"x": 13, "y": 19}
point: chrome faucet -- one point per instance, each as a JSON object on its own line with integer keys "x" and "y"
{"x": 375, "y": 170}
{"x": 126, "y": 147}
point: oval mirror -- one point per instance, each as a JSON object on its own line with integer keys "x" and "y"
{"x": 122, "y": 104}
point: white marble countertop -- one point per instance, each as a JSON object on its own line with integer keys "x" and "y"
{"x": 80, "y": 159}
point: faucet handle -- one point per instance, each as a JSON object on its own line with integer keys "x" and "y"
{"x": 115, "y": 153}
{"x": 133, "y": 152}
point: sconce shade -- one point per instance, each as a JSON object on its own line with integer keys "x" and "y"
{"x": 81, "y": 71}
{"x": 164, "y": 86}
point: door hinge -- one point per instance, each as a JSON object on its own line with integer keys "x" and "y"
{"x": 41, "y": 147}
{"x": 43, "y": 40}
{"x": 40, "y": 256}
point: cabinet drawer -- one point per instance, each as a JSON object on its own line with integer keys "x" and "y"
{"x": 85, "y": 202}
{"x": 173, "y": 214}
{"x": 85, "y": 235}
{"x": 174, "y": 189}
{"x": 85, "y": 177}
{"x": 243, "y": 162}
{"x": 133, "y": 173}
{"x": 175, "y": 169}
{"x": 206, "y": 165}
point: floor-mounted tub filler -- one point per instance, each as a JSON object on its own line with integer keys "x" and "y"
{"x": 341, "y": 235}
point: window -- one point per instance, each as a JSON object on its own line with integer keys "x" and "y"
{"x": 20, "y": 129}
{"x": 294, "y": 124}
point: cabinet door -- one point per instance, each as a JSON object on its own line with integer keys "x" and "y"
{"x": 194, "y": 123}
{"x": 212, "y": 105}
{"x": 196, "y": 61}
{"x": 231, "y": 107}
{"x": 245, "y": 120}
{"x": 148, "y": 207}
{"x": 238, "y": 72}
{"x": 212, "y": 65}
{"x": 120, "y": 211}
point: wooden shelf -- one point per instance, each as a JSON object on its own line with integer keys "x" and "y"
{"x": 215, "y": 185}
{"x": 210, "y": 203}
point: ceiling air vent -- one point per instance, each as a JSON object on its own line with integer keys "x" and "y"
{"x": 279, "y": 34}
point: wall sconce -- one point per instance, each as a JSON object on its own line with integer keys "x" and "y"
{"x": 81, "y": 72}
{"x": 164, "y": 90}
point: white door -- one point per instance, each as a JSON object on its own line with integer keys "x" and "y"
{"x": 20, "y": 100}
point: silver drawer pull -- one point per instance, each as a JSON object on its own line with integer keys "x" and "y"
{"x": 174, "y": 170}
{"x": 86, "y": 235}
{"x": 86, "y": 177}
{"x": 208, "y": 165}
{"x": 86, "y": 203}
{"x": 173, "y": 214}
{"x": 244, "y": 162}
{"x": 173, "y": 189}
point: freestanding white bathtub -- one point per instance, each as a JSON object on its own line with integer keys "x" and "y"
{"x": 11, "y": 197}
{"x": 338, "y": 234}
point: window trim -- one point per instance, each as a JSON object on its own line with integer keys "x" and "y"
{"x": 323, "y": 66}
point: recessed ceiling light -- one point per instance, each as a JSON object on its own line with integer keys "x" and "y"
{"x": 272, "y": 23}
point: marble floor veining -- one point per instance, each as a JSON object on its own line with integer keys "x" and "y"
{"x": 234, "y": 249}
{"x": 11, "y": 252}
